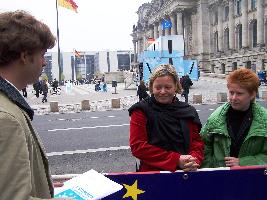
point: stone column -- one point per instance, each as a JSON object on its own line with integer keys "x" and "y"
{"x": 160, "y": 29}
{"x": 139, "y": 46}
{"x": 135, "y": 53}
{"x": 220, "y": 28}
{"x": 173, "y": 29}
{"x": 156, "y": 31}
{"x": 260, "y": 23}
{"x": 151, "y": 32}
{"x": 244, "y": 23}
{"x": 179, "y": 26}
{"x": 231, "y": 25}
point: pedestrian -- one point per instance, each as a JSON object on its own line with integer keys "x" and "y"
{"x": 236, "y": 133}
{"x": 44, "y": 90}
{"x": 142, "y": 91}
{"x": 164, "y": 132}
{"x": 24, "y": 92}
{"x": 24, "y": 169}
{"x": 55, "y": 85}
{"x": 186, "y": 84}
{"x": 37, "y": 88}
{"x": 105, "y": 87}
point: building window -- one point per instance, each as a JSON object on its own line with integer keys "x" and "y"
{"x": 238, "y": 7}
{"x": 215, "y": 19}
{"x": 123, "y": 62}
{"x": 254, "y": 34}
{"x": 253, "y": 4}
{"x": 226, "y": 13}
{"x": 239, "y": 32}
{"x": 226, "y": 39}
{"x": 216, "y": 47}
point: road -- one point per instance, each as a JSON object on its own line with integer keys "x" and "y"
{"x": 78, "y": 142}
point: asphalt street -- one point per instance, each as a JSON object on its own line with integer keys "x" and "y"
{"x": 78, "y": 142}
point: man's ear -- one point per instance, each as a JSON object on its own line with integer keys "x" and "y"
{"x": 24, "y": 56}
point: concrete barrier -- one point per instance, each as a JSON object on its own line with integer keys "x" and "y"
{"x": 54, "y": 106}
{"x": 197, "y": 98}
{"x": 85, "y": 105}
{"x": 116, "y": 103}
{"x": 264, "y": 94}
{"x": 221, "y": 97}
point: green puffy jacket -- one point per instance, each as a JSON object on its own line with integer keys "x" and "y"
{"x": 217, "y": 141}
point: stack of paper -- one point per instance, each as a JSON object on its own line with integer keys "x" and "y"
{"x": 90, "y": 185}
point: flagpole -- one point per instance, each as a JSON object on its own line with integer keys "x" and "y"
{"x": 85, "y": 64}
{"x": 58, "y": 48}
{"x": 74, "y": 65}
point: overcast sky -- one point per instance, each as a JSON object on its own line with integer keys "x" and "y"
{"x": 98, "y": 25}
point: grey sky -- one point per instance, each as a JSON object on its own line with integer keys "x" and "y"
{"x": 98, "y": 25}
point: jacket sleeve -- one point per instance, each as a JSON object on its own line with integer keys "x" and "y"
{"x": 258, "y": 159}
{"x": 196, "y": 148}
{"x": 15, "y": 171}
{"x": 149, "y": 154}
{"x": 208, "y": 146}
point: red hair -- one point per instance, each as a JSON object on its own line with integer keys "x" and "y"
{"x": 245, "y": 78}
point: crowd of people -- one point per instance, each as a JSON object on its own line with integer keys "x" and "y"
{"x": 165, "y": 133}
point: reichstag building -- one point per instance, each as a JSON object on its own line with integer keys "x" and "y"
{"x": 222, "y": 35}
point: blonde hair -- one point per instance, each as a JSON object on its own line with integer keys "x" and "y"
{"x": 165, "y": 70}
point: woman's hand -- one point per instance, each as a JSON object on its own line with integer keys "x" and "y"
{"x": 188, "y": 163}
{"x": 231, "y": 161}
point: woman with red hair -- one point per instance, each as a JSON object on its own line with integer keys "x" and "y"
{"x": 236, "y": 132}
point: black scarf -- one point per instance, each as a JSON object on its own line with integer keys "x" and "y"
{"x": 238, "y": 125}
{"x": 167, "y": 125}
{"x": 15, "y": 96}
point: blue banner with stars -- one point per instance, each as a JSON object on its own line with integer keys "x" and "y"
{"x": 243, "y": 183}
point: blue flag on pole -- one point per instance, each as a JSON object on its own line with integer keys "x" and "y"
{"x": 166, "y": 24}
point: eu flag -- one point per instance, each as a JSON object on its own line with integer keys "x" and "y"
{"x": 166, "y": 24}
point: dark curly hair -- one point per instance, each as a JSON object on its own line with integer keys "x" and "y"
{"x": 21, "y": 32}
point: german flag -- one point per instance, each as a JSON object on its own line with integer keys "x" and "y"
{"x": 77, "y": 53}
{"x": 69, "y": 4}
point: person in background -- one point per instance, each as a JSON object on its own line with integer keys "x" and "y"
{"x": 186, "y": 84}
{"x": 105, "y": 89}
{"x": 236, "y": 133}
{"x": 45, "y": 90}
{"x": 142, "y": 91}
{"x": 37, "y": 88}
{"x": 24, "y": 169}
{"x": 55, "y": 85}
{"x": 164, "y": 132}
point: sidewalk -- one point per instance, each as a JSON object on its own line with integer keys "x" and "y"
{"x": 70, "y": 101}
{"x": 208, "y": 87}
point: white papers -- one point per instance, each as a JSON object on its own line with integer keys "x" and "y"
{"x": 90, "y": 185}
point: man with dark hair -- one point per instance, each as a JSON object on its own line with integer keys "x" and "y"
{"x": 24, "y": 167}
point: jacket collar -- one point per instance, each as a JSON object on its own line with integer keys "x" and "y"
{"x": 13, "y": 94}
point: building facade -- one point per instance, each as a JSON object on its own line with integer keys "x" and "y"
{"x": 86, "y": 64}
{"x": 222, "y": 35}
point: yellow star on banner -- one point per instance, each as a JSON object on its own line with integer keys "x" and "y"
{"x": 132, "y": 191}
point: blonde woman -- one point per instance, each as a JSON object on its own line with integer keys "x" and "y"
{"x": 164, "y": 132}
